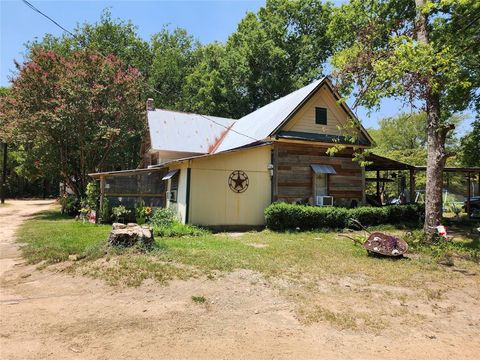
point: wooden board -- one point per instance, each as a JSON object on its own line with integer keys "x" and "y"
{"x": 294, "y": 175}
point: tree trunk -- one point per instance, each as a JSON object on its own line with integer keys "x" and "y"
{"x": 436, "y": 134}
{"x": 435, "y": 163}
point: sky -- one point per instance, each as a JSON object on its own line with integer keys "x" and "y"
{"x": 206, "y": 20}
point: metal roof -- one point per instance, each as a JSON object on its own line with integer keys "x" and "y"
{"x": 203, "y": 134}
{"x": 185, "y": 132}
{"x": 382, "y": 163}
{"x": 323, "y": 169}
{"x": 170, "y": 174}
{"x": 259, "y": 124}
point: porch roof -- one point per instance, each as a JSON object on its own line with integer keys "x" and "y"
{"x": 454, "y": 169}
{"x": 124, "y": 172}
{"x": 382, "y": 163}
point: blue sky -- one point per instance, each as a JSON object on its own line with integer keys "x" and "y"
{"x": 206, "y": 20}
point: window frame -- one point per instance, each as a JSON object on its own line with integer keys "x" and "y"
{"x": 321, "y": 110}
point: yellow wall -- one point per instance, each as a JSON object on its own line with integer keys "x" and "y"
{"x": 212, "y": 202}
{"x": 304, "y": 119}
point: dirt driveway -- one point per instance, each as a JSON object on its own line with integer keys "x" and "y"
{"x": 49, "y": 315}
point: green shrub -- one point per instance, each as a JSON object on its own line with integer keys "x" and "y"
{"x": 140, "y": 215}
{"x": 178, "y": 229}
{"x": 70, "y": 205}
{"x": 105, "y": 213}
{"x": 92, "y": 196}
{"x": 163, "y": 217}
{"x": 120, "y": 213}
{"x": 165, "y": 224}
{"x": 283, "y": 216}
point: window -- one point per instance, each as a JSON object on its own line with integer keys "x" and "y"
{"x": 321, "y": 116}
{"x": 321, "y": 184}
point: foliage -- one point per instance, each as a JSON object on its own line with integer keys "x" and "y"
{"x": 403, "y": 137}
{"x": 423, "y": 52}
{"x": 444, "y": 250}
{"x": 165, "y": 224}
{"x": 120, "y": 212}
{"x": 283, "y": 216}
{"x": 205, "y": 90}
{"x": 70, "y": 204}
{"x": 4, "y": 91}
{"x": 23, "y": 178}
{"x": 142, "y": 212}
{"x": 92, "y": 195}
{"x": 378, "y": 54}
{"x": 105, "y": 212}
{"x": 470, "y": 145}
{"x": 178, "y": 229}
{"x": 275, "y": 51}
{"x": 456, "y": 209}
{"x": 75, "y": 113}
{"x": 174, "y": 57}
{"x": 199, "y": 299}
{"x": 163, "y": 217}
{"x": 107, "y": 37}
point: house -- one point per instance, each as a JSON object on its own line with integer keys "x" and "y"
{"x": 216, "y": 171}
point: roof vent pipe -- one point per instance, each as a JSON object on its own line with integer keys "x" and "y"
{"x": 150, "y": 105}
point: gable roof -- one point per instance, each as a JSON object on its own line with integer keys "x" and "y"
{"x": 259, "y": 124}
{"x": 186, "y": 132}
{"x": 182, "y": 132}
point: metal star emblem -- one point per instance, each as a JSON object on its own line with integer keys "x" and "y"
{"x": 238, "y": 181}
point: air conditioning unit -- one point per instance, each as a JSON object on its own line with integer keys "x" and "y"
{"x": 172, "y": 195}
{"x": 324, "y": 201}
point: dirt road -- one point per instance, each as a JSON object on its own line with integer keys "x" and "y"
{"x": 50, "y": 315}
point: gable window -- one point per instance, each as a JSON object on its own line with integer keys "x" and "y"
{"x": 321, "y": 116}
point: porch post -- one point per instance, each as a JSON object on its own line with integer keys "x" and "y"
{"x": 468, "y": 195}
{"x": 412, "y": 185}
{"x": 274, "y": 178}
{"x": 378, "y": 185}
{"x": 102, "y": 194}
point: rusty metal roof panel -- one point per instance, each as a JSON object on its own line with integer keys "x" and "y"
{"x": 186, "y": 132}
{"x": 259, "y": 124}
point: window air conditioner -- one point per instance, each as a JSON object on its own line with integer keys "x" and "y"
{"x": 172, "y": 195}
{"x": 324, "y": 201}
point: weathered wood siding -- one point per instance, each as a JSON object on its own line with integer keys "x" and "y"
{"x": 294, "y": 176}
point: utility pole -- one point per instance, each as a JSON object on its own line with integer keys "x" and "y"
{"x": 4, "y": 174}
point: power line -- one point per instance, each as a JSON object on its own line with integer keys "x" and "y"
{"x": 31, "y": 6}
{"x": 230, "y": 128}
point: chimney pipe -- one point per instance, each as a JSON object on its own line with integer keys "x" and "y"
{"x": 150, "y": 105}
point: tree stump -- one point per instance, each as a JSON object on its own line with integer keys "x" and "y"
{"x": 130, "y": 235}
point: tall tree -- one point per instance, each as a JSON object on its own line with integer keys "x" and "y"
{"x": 107, "y": 36}
{"x": 75, "y": 114}
{"x": 273, "y": 52}
{"x": 175, "y": 54}
{"x": 421, "y": 51}
{"x": 204, "y": 90}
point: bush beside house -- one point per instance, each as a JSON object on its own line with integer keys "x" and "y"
{"x": 283, "y": 216}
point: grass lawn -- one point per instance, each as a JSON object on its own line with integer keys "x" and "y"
{"x": 299, "y": 264}
{"x": 51, "y": 237}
